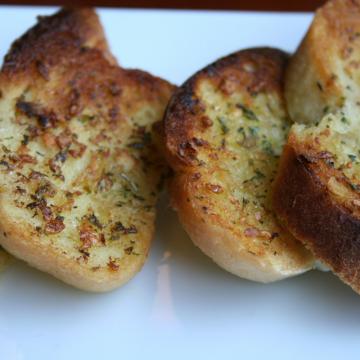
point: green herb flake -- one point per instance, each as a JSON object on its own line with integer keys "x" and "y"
{"x": 352, "y": 157}
{"x": 147, "y": 137}
{"x": 25, "y": 140}
{"x": 253, "y": 131}
{"x": 259, "y": 174}
{"x": 345, "y": 120}
{"x": 342, "y": 100}
{"x": 355, "y": 187}
{"x": 249, "y": 114}
{"x": 267, "y": 147}
{"x": 8, "y": 138}
{"x": 134, "y": 187}
{"x": 245, "y": 202}
{"x": 326, "y": 109}
{"x": 86, "y": 118}
{"x": 223, "y": 125}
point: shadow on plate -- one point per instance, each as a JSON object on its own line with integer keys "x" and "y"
{"x": 200, "y": 288}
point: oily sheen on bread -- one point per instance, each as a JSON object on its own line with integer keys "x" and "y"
{"x": 224, "y": 132}
{"x": 317, "y": 191}
{"x": 80, "y": 172}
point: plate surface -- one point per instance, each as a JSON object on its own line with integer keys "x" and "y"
{"x": 181, "y": 305}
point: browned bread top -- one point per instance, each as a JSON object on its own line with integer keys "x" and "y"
{"x": 80, "y": 170}
{"x": 44, "y": 46}
{"x": 252, "y": 72}
{"x": 224, "y": 129}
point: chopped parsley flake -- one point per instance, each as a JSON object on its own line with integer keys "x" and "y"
{"x": 253, "y": 130}
{"x": 258, "y": 176}
{"x": 245, "y": 202}
{"x": 223, "y": 125}
{"x": 86, "y": 118}
{"x": 344, "y": 120}
{"x": 267, "y": 147}
{"x": 320, "y": 87}
{"x": 352, "y": 157}
{"x": 249, "y": 114}
{"x": 355, "y": 187}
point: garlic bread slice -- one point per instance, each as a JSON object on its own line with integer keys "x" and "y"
{"x": 317, "y": 191}
{"x": 224, "y": 131}
{"x": 80, "y": 172}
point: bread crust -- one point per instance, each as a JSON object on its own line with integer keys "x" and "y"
{"x": 61, "y": 90}
{"x": 304, "y": 204}
{"x": 70, "y": 29}
{"x": 206, "y": 218}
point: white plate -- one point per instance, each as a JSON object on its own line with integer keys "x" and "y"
{"x": 181, "y": 305}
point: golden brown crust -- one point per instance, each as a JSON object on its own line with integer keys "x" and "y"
{"x": 243, "y": 240}
{"x": 43, "y": 46}
{"x": 305, "y": 205}
{"x": 80, "y": 171}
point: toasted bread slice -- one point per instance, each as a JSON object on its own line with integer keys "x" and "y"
{"x": 225, "y": 129}
{"x": 317, "y": 191}
{"x": 79, "y": 170}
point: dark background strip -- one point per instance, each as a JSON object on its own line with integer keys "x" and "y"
{"x": 268, "y": 5}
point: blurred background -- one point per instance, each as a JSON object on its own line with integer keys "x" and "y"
{"x": 259, "y": 5}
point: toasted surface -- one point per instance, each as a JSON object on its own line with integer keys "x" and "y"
{"x": 316, "y": 193}
{"x": 80, "y": 172}
{"x": 225, "y": 129}
{"x": 323, "y": 74}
